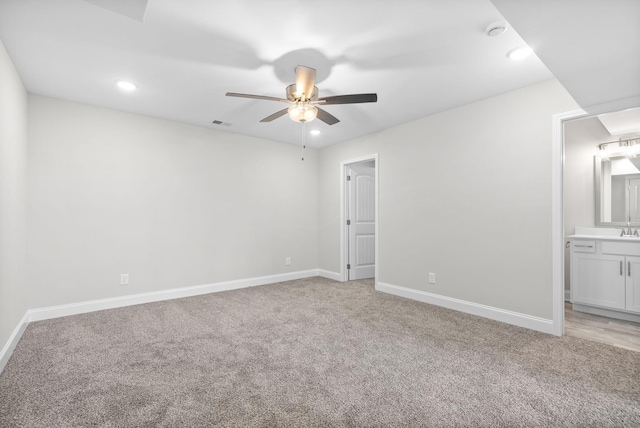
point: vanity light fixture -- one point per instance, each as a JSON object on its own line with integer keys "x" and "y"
{"x": 633, "y": 149}
{"x": 629, "y": 148}
{"x": 519, "y": 53}
{"x": 602, "y": 152}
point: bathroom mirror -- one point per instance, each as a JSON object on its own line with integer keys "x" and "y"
{"x": 617, "y": 189}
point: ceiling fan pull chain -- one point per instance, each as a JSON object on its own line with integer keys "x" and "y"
{"x": 303, "y": 145}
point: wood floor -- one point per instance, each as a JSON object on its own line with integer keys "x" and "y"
{"x": 623, "y": 334}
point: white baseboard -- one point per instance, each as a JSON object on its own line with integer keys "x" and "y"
{"x": 157, "y": 296}
{"x": 137, "y": 299}
{"x": 328, "y": 274}
{"x": 509, "y": 317}
{"x": 8, "y": 348}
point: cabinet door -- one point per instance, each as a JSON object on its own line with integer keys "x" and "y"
{"x": 599, "y": 280}
{"x": 633, "y": 284}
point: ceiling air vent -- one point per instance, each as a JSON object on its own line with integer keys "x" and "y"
{"x": 219, "y": 122}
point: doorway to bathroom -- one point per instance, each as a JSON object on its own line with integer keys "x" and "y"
{"x": 592, "y": 203}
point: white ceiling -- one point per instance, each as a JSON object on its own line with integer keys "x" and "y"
{"x": 591, "y": 46}
{"x": 625, "y": 123}
{"x": 420, "y": 56}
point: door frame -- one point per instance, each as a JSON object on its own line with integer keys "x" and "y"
{"x": 557, "y": 216}
{"x": 344, "y": 233}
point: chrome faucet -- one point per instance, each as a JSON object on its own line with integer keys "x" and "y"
{"x": 628, "y": 232}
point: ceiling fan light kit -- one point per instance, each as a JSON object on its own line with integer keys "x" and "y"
{"x": 302, "y": 112}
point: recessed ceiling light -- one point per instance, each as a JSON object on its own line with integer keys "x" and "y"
{"x": 127, "y": 86}
{"x": 520, "y": 53}
{"x": 314, "y": 132}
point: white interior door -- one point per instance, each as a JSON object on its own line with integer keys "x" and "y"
{"x": 361, "y": 221}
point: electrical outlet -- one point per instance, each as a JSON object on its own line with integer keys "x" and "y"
{"x": 287, "y": 261}
{"x": 432, "y": 278}
{"x": 124, "y": 279}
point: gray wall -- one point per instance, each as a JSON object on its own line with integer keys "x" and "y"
{"x": 465, "y": 194}
{"x": 170, "y": 204}
{"x": 13, "y": 170}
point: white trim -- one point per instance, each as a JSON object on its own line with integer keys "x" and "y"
{"x": 557, "y": 217}
{"x": 509, "y": 317}
{"x": 343, "y": 220}
{"x": 6, "y": 352}
{"x": 328, "y": 274}
{"x": 156, "y": 296}
{"x": 567, "y": 295}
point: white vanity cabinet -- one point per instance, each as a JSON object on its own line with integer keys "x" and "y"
{"x": 605, "y": 276}
{"x": 633, "y": 284}
{"x": 598, "y": 280}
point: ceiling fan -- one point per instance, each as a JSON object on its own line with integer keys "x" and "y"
{"x": 303, "y": 95}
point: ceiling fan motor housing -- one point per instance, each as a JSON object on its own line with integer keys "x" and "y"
{"x": 293, "y": 96}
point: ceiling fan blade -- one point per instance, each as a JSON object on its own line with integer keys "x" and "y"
{"x": 305, "y": 81}
{"x": 275, "y": 115}
{"x": 256, "y": 97}
{"x": 326, "y": 117}
{"x": 349, "y": 99}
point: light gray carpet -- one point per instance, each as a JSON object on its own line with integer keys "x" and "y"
{"x": 309, "y": 353}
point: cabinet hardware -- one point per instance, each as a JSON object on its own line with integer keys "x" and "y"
{"x": 628, "y": 268}
{"x": 620, "y": 267}
{"x": 567, "y": 244}
{"x": 584, "y": 246}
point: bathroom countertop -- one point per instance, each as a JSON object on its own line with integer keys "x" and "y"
{"x": 606, "y": 237}
{"x": 603, "y": 233}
